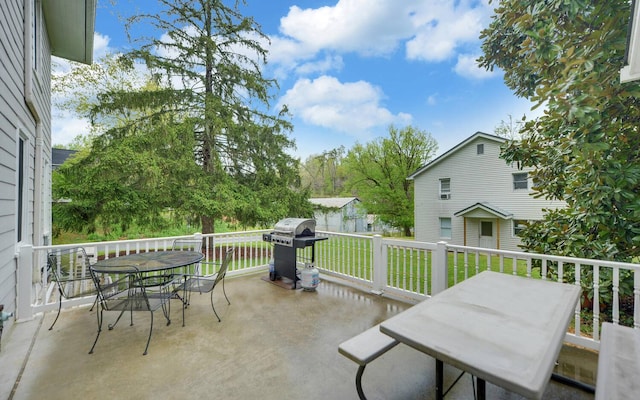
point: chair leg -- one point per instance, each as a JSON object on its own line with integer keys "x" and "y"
{"x": 214, "y": 309}
{"x": 149, "y": 338}
{"x": 95, "y": 303}
{"x": 225, "y": 292}
{"x": 59, "y": 308}
{"x": 111, "y": 326}
{"x": 185, "y": 301}
{"x": 99, "y": 315}
{"x": 166, "y": 307}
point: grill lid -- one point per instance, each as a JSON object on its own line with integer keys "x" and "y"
{"x": 296, "y": 227}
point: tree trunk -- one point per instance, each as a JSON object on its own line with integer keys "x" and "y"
{"x": 207, "y": 224}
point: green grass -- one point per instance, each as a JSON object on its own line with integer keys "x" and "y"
{"x": 64, "y": 237}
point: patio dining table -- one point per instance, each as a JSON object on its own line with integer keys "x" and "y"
{"x": 154, "y": 261}
{"x": 500, "y": 328}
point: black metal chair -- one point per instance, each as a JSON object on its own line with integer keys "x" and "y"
{"x": 188, "y": 245}
{"x": 69, "y": 269}
{"x": 160, "y": 280}
{"x": 206, "y": 283}
{"x": 123, "y": 289}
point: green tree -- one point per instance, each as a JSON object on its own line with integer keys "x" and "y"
{"x": 377, "y": 172}
{"x": 510, "y": 129}
{"x": 323, "y": 173}
{"x": 566, "y": 55}
{"x": 199, "y": 137}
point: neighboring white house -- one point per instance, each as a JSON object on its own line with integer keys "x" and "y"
{"x": 30, "y": 32}
{"x": 339, "y": 214}
{"x": 469, "y": 196}
{"x": 631, "y": 70}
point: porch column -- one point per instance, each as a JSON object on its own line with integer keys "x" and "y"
{"x": 439, "y": 271}
{"x": 24, "y": 284}
{"x": 379, "y": 274}
{"x": 464, "y": 228}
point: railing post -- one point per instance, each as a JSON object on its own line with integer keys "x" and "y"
{"x": 379, "y": 265}
{"x": 439, "y": 271}
{"x": 24, "y": 285}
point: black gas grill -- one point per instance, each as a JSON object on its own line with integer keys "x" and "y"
{"x": 289, "y": 235}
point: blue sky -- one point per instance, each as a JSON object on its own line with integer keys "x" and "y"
{"x": 348, "y": 69}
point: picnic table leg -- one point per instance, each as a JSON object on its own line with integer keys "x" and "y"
{"x": 482, "y": 389}
{"x": 439, "y": 379}
{"x": 359, "y": 382}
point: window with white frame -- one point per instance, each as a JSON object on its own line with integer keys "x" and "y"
{"x": 445, "y": 228}
{"x": 480, "y": 149}
{"x": 520, "y": 181}
{"x": 445, "y": 189}
{"x": 518, "y": 226}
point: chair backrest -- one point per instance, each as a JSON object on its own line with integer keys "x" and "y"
{"x": 69, "y": 268}
{"x": 187, "y": 245}
{"x": 113, "y": 282}
{"x": 224, "y": 266}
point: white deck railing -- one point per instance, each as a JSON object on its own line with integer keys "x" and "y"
{"x": 407, "y": 268}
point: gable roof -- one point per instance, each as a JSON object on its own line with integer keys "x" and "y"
{"x": 457, "y": 147}
{"x": 332, "y": 202}
{"x": 487, "y": 207}
{"x": 70, "y": 27}
{"x": 58, "y": 156}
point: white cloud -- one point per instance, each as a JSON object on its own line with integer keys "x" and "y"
{"x": 65, "y": 127}
{"x": 431, "y": 30}
{"x": 360, "y": 26}
{"x": 101, "y": 45}
{"x": 353, "y": 108}
{"x": 329, "y": 63}
{"x": 443, "y": 26}
{"x": 468, "y": 67}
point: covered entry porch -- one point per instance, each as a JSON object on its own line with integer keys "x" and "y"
{"x": 488, "y": 226}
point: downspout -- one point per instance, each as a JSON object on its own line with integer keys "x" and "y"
{"x": 30, "y": 99}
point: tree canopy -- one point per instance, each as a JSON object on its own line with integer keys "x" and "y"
{"x": 198, "y": 137}
{"x": 565, "y": 55}
{"x": 323, "y": 174}
{"x": 378, "y": 171}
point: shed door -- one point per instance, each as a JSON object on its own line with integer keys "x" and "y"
{"x": 487, "y": 237}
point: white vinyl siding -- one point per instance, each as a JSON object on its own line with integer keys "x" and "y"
{"x": 25, "y": 79}
{"x": 477, "y": 179}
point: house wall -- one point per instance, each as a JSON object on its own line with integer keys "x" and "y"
{"x": 24, "y": 113}
{"x": 474, "y": 178}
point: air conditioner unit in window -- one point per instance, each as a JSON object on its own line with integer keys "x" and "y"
{"x": 445, "y": 196}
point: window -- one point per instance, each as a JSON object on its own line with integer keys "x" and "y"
{"x": 486, "y": 228}
{"x": 445, "y": 189}
{"x": 21, "y": 193}
{"x": 518, "y": 226}
{"x": 445, "y": 228}
{"x": 480, "y": 149}
{"x": 520, "y": 181}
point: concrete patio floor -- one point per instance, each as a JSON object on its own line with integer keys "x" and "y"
{"x": 272, "y": 343}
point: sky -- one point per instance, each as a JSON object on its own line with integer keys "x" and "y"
{"x": 348, "y": 69}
